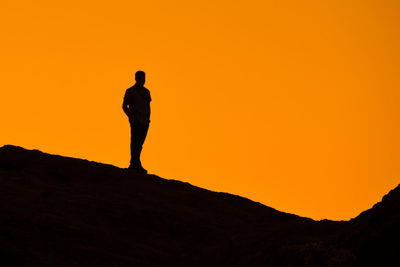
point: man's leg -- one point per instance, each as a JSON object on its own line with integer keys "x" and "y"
{"x": 141, "y": 138}
{"x": 134, "y": 138}
{"x": 138, "y": 136}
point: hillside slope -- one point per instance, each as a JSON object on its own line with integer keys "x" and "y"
{"x": 61, "y": 211}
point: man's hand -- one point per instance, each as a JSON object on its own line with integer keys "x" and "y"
{"x": 127, "y": 111}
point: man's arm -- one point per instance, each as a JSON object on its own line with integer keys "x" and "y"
{"x": 125, "y": 105}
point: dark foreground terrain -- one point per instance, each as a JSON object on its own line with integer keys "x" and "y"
{"x": 59, "y": 211}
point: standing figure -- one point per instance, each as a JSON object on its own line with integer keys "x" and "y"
{"x": 137, "y": 107}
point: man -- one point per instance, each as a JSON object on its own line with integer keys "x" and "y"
{"x": 137, "y": 107}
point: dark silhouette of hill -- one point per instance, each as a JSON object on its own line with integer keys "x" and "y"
{"x": 61, "y": 211}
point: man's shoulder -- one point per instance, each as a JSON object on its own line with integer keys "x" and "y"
{"x": 129, "y": 90}
{"x": 134, "y": 90}
{"x": 147, "y": 90}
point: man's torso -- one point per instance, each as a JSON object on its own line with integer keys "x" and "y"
{"x": 138, "y": 98}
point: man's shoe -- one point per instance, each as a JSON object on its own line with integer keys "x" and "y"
{"x": 131, "y": 167}
{"x": 139, "y": 169}
{"x": 142, "y": 170}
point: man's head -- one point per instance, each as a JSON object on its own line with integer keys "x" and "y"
{"x": 140, "y": 77}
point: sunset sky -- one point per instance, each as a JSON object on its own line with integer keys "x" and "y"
{"x": 294, "y": 104}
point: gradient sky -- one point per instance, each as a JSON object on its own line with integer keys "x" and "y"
{"x": 294, "y": 104}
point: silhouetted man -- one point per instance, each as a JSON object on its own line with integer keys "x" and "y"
{"x": 137, "y": 107}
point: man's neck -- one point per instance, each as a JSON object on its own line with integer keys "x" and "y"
{"x": 139, "y": 85}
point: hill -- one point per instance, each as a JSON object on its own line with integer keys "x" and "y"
{"x": 61, "y": 211}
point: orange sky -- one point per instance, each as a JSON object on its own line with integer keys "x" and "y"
{"x": 294, "y": 104}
